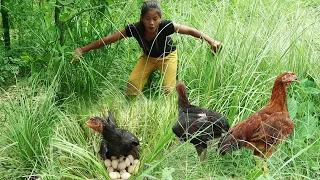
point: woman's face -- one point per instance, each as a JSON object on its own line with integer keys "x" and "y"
{"x": 151, "y": 20}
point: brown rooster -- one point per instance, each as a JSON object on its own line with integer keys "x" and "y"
{"x": 116, "y": 142}
{"x": 197, "y": 124}
{"x": 264, "y": 129}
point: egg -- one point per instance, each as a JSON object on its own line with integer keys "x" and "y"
{"x": 131, "y": 169}
{"x": 127, "y": 161}
{"x": 136, "y": 162}
{"x": 107, "y": 162}
{"x": 121, "y": 158}
{"x": 113, "y": 157}
{"x": 114, "y": 163}
{"x": 113, "y": 175}
{"x": 118, "y": 175}
{"x": 122, "y": 171}
{"x": 130, "y": 157}
{"x": 125, "y": 175}
{"x": 110, "y": 169}
{"x": 122, "y": 165}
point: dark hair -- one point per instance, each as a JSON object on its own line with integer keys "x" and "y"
{"x": 148, "y": 5}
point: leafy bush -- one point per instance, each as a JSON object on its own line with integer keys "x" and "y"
{"x": 8, "y": 70}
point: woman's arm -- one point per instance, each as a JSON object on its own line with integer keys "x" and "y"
{"x": 102, "y": 42}
{"x": 182, "y": 29}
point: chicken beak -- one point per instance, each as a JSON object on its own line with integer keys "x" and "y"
{"x": 292, "y": 79}
{"x": 89, "y": 122}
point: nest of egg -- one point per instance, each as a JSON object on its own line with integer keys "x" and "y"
{"x": 122, "y": 167}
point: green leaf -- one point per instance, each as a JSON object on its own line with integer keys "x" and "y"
{"x": 52, "y": 29}
{"x": 306, "y": 83}
{"x": 306, "y": 108}
{"x": 314, "y": 165}
{"x": 2, "y": 139}
{"x": 309, "y": 87}
{"x": 64, "y": 16}
{"x": 26, "y": 57}
{"x": 311, "y": 90}
{"x": 307, "y": 127}
{"x": 292, "y": 107}
{"x": 65, "y": 3}
{"x": 166, "y": 173}
{"x": 254, "y": 175}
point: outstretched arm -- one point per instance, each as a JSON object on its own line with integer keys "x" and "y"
{"x": 102, "y": 42}
{"x": 182, "y": 29}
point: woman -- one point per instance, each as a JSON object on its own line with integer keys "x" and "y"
{"x": 153, "y": 35}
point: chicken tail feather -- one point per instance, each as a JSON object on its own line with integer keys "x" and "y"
{"x": 181, "y": 89}
{"x": 112, "y": 119}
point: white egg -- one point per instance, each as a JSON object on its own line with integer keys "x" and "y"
{"x": 107, "y": 162}
{"x": 131, "y": 169}
{"x": 121, "y": 158}
{"x": 113, "y": 175}
{"x": 125, "y": 175}
{"x": 136, "y": 170}
{"x": 136, "y": 162}
{"x": 130, "y": 157}
{"x": 122, "y": 171}
{"x": 110, "y": 169}
{"x": 127, "y": 161}
{"x": 113, "y": 157}
{"x": 118, "y": 175}
{"x": 122, "y": 165}
{"x": 114, "y": 163}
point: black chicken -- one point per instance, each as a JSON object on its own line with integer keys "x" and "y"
{"x": 198, "y": 124}
{"x": 116, "y": 142}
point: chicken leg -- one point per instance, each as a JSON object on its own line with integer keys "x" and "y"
{"x": 262, "y": 163}
{"x": 203, "y": 155}
{"x": 265, "y": 168}
{"x": 202, "y": 152}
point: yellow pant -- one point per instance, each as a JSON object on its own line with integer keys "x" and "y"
{"x": 145, "y": 65}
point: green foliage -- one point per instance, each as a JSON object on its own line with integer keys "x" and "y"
{"x": 31, "y": 119}
{"x": 44, "y": 133}
{"x": 7, "y": 71}
{"x": 166, "y": 174}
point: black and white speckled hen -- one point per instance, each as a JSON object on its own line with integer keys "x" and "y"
{"x": 116, "y": 142}
{"x": 198, "y": 124}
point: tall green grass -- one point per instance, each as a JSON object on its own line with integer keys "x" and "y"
{"x": 45, "y": 134}
{"x": 30, "y": 116}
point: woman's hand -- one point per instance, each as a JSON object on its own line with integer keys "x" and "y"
{"x": 78, "y": 52}
{"x": 215, "y": 46}
{"x": 182, "y": 29}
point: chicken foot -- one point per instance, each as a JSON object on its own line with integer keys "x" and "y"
{"x": 262, "y": 163}
{"x": 202, "y": 153}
